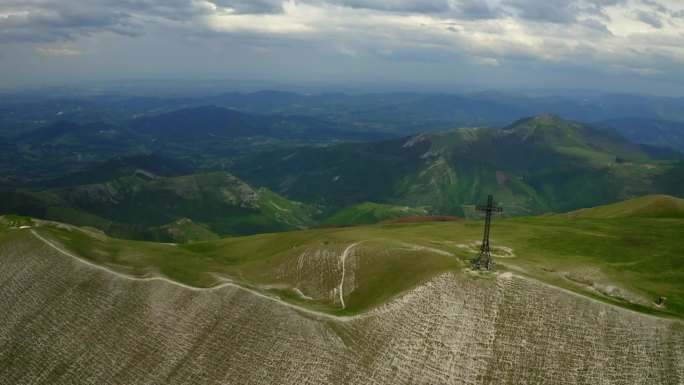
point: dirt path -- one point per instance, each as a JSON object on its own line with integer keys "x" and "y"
{"x": 344, "y": 259}
{"x": 224, "y": 283}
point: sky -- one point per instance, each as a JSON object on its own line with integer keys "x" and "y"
{"x": 615, "y": 45}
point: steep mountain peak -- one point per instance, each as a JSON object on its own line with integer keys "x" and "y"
{"x": 574, "y": 138}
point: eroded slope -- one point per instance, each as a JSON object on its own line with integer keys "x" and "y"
{"x": 64, "y": 321}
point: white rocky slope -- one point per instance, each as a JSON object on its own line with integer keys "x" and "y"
{"x": 63, "y": 321}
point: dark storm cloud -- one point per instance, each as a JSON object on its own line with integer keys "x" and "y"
{"x": 549, "y": 11}
{"x": 650, "y": 18}
{"x": 52, "y": 20}
{"x": 560, "y": 11}
{"x": 595, "y": 25}
{"x": 477, "y": 9}
{"x": 656, "y": 6}
{"x": 662, "y": 10}
{"x": 64, "y": 24}
{"x": 463, "y": 9}
{"x": 251, "y": 6}
{"x": 417, "y": 6}
{"x": 184, "y": 9}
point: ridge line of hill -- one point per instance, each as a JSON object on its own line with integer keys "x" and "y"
{"x": 568, "y": 291}
{"x": 225, "y": 282}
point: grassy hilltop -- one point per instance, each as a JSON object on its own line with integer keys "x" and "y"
{"x": 627, "y": 261}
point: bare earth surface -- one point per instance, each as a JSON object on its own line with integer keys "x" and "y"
{"x": 64, "y": 321}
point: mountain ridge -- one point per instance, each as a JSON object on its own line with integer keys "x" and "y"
{"x": 143, "y": 207}
{"x": 540, "y": 164}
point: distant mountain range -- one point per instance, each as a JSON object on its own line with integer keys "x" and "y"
{"x": 43, "y": 139}
{"x": 397, "y": 113}
{"x": 205, "y": 137}
{"x": 355, "y": 158}
{"x": 220, "y": 122}
{"x": 653, "y": 132}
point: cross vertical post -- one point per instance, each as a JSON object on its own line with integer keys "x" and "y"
{"x": 483, "y": 257}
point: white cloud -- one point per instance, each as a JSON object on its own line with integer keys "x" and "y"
{"x": 490, "y": 61}
{"x": 50, "y": 51}
{"x": 595, "y": 35}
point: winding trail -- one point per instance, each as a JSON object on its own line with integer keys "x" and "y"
{"x": 229, "y": 283}
{"x": 344, "y": 258}
{"x": 225, "y": 283}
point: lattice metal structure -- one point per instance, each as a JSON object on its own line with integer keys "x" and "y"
{"x": 484, "y": 258}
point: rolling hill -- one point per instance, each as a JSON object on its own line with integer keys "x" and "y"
{"x": 655, "y": 132}
{"x": 571, "y": 302}
{"x": 142, "y": 205}
{"x": 369, "y": 213}
{"x": 651, "y": 206}
{"x": 204, "y": 137}
{"x": 220, "y": 123}
{"x": 145, "y": 165}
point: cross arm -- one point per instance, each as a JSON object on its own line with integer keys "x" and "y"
{"x": 488, "y": 208}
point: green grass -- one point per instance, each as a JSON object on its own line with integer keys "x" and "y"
{"x": 185, "y": 230}
{"x": 369, "y": 213}
{"x": 640, "y": 257}
{"x": 650, "y": 206}
{"x": 595, "y": 158}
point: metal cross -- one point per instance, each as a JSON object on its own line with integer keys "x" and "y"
{"x": 483, "y": 258}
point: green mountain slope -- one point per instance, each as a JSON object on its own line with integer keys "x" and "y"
{"x": 137, "y": 206}
{"x": 651, "y": 206}
{"x": 536, "y": 165}
{"x": 368, "y": 213}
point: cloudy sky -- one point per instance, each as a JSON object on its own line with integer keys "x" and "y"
{"x": 623, "y": 45}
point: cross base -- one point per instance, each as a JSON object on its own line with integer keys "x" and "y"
{"x": 483, "y": 259}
